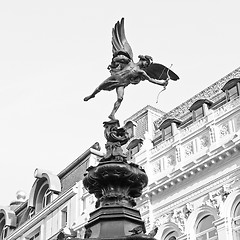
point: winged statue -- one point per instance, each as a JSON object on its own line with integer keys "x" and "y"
{"x": 124, "y": 71}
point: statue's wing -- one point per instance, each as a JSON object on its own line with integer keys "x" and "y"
{"x": 158, "y": 71}
{"x": 119, "y": 41}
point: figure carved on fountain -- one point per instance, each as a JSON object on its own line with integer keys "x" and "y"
{"x": 124, "y": 71}
{"x": 115, "y": 182}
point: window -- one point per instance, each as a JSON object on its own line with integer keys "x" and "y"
{"x": 31, "y": 212}
{"x": 198, "y": 113}
{"x": 134, "y": 147}
{"x": 64, "y": 217}
{"x": 236, "y": 222}
{"x": 169, "y": 127}
{"x": 2, "y": 225}
{"x": 44, "y": 197}
{"x": 4, "y": 232}
{"x": 232, "y": 93}
{"x": 206, "y": 230}
{"x": 47, "y": 198}
{"x": 200, "y": 108}
{"x": 35, "y": 236}
{"x": 171, "y": 236}
{"x": 167, "y": 132}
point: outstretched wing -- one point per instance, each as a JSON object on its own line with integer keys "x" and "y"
{"x": 158, "y": 71}
{"x": 119, "y": 41}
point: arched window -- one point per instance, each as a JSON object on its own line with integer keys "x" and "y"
{"x": 44, "y": 197}
{"x": 8, "y": 222}
{"x": 205, "y": 229}
{"x": 236, "y": 222}
{"x": 3, "y": 230}
{"x": 171, "y": 236}
{"x": 168, "y": 231}
{"x": 45, "y": 189}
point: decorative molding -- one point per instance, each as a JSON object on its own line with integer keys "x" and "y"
{"x": 204, "y": 141}
{"x": 224, "y": 129}
{"x": 209, "y": 93}
{"x": 199, "y": 192}
{"x": 193, "y": 127}
{"x": 188, "y": 149}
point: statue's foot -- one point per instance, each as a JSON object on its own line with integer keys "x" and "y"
{"x": 88, "y": 97}
{"x": 112, "y": 117}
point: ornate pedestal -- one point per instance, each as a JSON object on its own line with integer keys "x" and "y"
{"x": 115, "y": 183}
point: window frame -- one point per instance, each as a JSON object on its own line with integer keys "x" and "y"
{"x": 197, "y": 115}
{"x": 4, "y": 232}
{"x": 64, "y": 217}
{"x": 47, "y": 198}
{"x": 35, "y": 236}
{"x": 201, "y": 104}
{"x": 44, "y": 197}
{"x": 230, "y": 97}
{"x": 207, "y": 231}
{"x": 236, "y": 227}
{"x": 169, "y": 134}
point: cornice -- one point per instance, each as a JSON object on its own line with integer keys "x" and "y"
{"x": 210, "y": 93}
{"x": 190, "y": 197}
{"x": 145, "y": 110}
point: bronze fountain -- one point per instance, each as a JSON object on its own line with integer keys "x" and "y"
{"x": 116, "y": 181}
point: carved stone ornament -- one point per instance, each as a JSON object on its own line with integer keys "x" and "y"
{"x": 116, "y": 136}
{"x": 115, "y": 183}
{"x": 224, "y": 130}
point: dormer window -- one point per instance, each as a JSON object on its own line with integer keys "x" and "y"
{"x": 232, "y": 89}
{"x": 8, "y": 222}
{"x": 45, "y": 189}
{"x": 200, "y": 108}
{"x": 169, "y": 128}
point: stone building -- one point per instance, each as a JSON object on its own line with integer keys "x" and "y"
{"x": 191, "y": 156}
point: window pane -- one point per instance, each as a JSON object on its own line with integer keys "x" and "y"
{"x": 168, "y": 132}
{"x": 232, "y": 92}
{"x": 35, "y": 237}
{"x": 205, "y": 224}
{"x": 47, "y": 198}
{"x": 199, "y": 113}
{"x": 212, "y": 233}
{"x": 64, "y": 217}
{"x": 237, "y": 210}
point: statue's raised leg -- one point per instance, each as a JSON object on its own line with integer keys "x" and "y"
{"x": 97, "y": 90}
{"x": 120, "y": 93}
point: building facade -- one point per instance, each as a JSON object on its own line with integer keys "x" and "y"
{"x": 191, "y": 156}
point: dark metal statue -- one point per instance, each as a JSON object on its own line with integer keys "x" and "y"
{"x": 124, "y": 71}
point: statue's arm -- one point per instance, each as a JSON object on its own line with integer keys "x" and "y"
{"x": 158, "y": 82}
{"x": 155, "y": 81}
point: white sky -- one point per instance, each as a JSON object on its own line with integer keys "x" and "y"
{"x": 54, "y": 53}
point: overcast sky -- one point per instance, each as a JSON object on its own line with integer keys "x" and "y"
{"x": 53, "y": 53}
